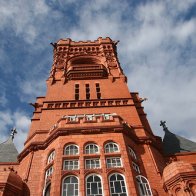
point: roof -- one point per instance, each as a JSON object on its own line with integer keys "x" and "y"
{"x": 173, "y": 143}
{"x": 8, "y": 151}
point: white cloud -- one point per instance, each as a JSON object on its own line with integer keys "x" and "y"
{"x": 16, "y": 119}
{"x": 156, "y": 49}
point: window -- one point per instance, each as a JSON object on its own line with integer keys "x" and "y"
{"x": 89, "y": 117}
{"x": 70, "y": 186}
{"x": 132, "y": 153}
{"x": 143, "y": 186}
{"x": 98, "y": 91}
{"x": 94, "y": 186}
{"x": 92, "y": 163}
{"x": 113, "y": 162}
{"x": 71, "y": 165}
{"x": 72, "y": 118}
{"x": 47, "y": 190}
{"x": 49, "y": 172}
{"x": 87, "y": 91}
{"x": 91, "y": 149}
{"x": 136, "y": 167}
{"x": 111, "y": 147}
{"x": 77, "y": 92}
{"x": 117, "y": 185}
{"x": 106, "y": 116}
{"x": 71, "y": 150}
{"x": 51, "y": 157}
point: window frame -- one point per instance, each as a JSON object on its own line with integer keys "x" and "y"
{"x": 110, "y": 158}
{"x": 73, "y": 160}
{"x": 109, "y": 151}
{"x": 93, "y": 144}
{"x": 111, "y": 194}
{"x": 94, "y": 159}
{"x": 143, "y": 184}
{"x": 49, "y": 172}
{"x": 86, "y": 189}
{"x": 51, "y": 157}
{"x": 132, "y": 153}
{"x": 62, "y": 186}
{"x": 136, "y": 167}
{"x": 69, "y": 145}
{"x": 47, "y": 186}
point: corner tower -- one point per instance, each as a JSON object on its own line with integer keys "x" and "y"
{"x": 89, "y": 135}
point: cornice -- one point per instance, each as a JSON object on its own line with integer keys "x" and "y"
{"x": 122, "y": 128}
{"x": 180, "y": 177}
{"x": 93, "y": 103}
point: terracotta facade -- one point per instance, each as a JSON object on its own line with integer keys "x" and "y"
{"x": 90, "y": 135}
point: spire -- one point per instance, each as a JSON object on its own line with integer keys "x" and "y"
{"x": 8, "y": 151}
{"x": 173, "y": 143}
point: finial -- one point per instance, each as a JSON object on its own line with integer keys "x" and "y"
{"x": 163, "y": 124}
{"x": 54, "y": 44}
{"x": 142, "y": 99}
{"x": 116, "y": 42}
{"x": 13, "y": 132}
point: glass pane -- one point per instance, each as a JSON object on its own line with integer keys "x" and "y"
{"x": 94, "y": 189}
{"x": 70, "y": 189}
{"x": 119, "y": 177}
{"x": 47, "y": 191}
{"x": 113, "y": 178}
{"x": 90, "y": 179}
{"x": 97, "y": 179}
{"x": 74, "y": 180}
{"x": 117, "y": 187}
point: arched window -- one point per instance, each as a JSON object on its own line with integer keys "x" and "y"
{"x": 70, "y": 186}
{"x": 132, "y": 153}
{"x": 51, "y": 157}
{"x": 94, "y": 185}
{"x": 111, "y": 147}
{"x": 91, "y": 149}
{"x": 143, "y": 186}
{"x": 117, "y": 185}
{"x": 47, "y": 190}
{"x": 71, "y": 150}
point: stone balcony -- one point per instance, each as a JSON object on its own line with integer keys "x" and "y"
{"x": 87, "y": 121}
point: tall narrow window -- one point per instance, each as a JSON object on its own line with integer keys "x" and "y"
{"x": 47, "y": 190}
{"x": 70, "y": 186}
{"x": 77, "y": 92}
{"x": 49, "y": 172}
{"x": 98, "y": 91}
{"x": 132, "y": 153}
{"x": 143, "y": 186}
{"x": 51, "y": 157}
{"x": 136, "y": 167}
{"x": 87, "y": 91}
{"x": 94, "y": 186}
{"x": 117, "y": 185}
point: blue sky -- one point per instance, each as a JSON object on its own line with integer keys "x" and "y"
{"x": 156, "y": 50}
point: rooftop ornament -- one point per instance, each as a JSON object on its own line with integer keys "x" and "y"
{"x": 13, "y": 132}
{"x": 163, "y": 124}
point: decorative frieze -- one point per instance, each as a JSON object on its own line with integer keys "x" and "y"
{"x": 88, "y": 103}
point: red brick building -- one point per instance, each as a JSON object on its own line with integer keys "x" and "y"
{"x": 89, "y": 135}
